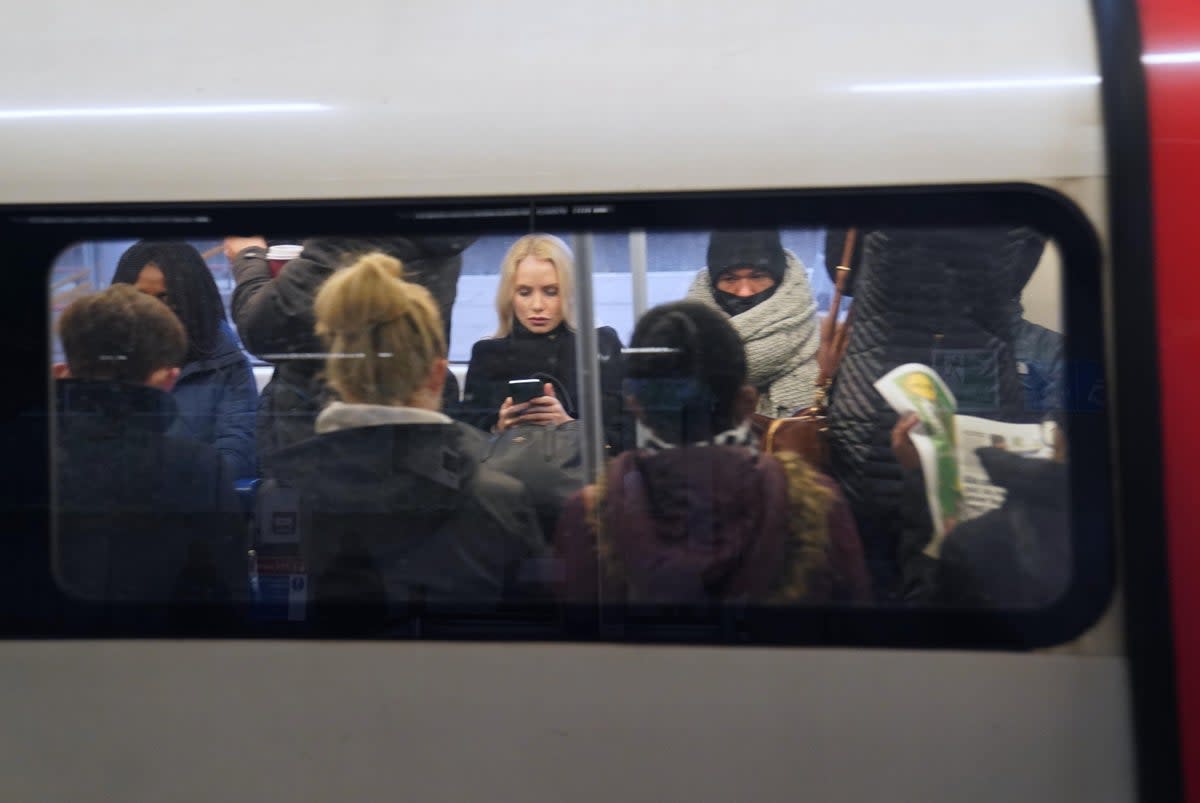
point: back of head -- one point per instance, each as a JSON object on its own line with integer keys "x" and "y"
{"x": 384, "y": 334}
{"x": 191, "y": 291}
{"x": 688, "y": 367}
{"x": 120, "y": 335}
{"x": 539, "y": 246}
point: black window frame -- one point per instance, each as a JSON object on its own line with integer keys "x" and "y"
{"x": 37, "y": 234}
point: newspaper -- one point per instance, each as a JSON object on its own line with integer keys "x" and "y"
{"x": 979, "y": 495}
{"x": 957, "y": 487}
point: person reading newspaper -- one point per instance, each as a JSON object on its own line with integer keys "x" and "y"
{"x": 984, "y": 501}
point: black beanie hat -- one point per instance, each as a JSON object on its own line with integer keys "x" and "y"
{"x": 746, "y": 249}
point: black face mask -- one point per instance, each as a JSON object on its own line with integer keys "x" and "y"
{"x": 736, "y": 305}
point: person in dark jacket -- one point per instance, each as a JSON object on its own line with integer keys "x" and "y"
{"x": 1038, "y": 350}
{"x": 696, "y": 515}
{"x": 1015, "y": 556}
{"x": 936, "y": 297}
{"x": 535, "y": 338}
{"x": 274, "y": 316}
{"x": 141, "y": 515}
{"x": 397, "y": 510}
{"x": 215, "y": 392}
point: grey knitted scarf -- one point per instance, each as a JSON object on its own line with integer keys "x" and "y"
{"x": 781, "y": 338}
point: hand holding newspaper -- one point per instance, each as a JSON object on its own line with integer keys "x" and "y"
{"x": 957, "y": 487}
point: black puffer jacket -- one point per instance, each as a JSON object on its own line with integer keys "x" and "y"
{"x": 1019, "y": 555}
{"x": 275, "y": 319}
{"x": 403, "y": 513}
{"x": 932, "y": 296}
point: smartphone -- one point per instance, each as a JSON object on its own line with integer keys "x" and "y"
{"x": 523, "y": 390}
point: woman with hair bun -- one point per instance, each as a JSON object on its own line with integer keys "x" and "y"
{"x": 215, "y": 393}
{"x": 535, "y": 338}
{"x": 396, "y": 506}
{"x": 696, "y": 514}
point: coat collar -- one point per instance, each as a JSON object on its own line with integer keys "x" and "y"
{"x": 338, "y": 416}
{"x": 115, "y": 404}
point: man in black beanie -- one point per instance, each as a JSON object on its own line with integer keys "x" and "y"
{"x": 745, "y": 268}
{"x": 764, "y": 291}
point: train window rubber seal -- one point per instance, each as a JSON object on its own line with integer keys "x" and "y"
{"x": 35, "y": 235}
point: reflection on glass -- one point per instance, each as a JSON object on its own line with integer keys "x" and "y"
{"x": 945, "y": 483}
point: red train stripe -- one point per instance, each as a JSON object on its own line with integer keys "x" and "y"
{"x": 1171, "y": 55}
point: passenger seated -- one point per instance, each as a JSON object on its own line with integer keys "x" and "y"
{"x": 696, "y": 514}
{"x": 763, "y": 291}
{"x": 141, "y": 515}
{"x": 535, "y": 338}
{"x": 395, "y": 509}
{"x": 215, "y": 393}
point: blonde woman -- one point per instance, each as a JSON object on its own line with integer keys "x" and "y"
{"x": 535, "y": 338}
{"x": 395, "y": 505}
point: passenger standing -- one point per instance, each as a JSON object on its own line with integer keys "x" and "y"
{"x": 398, "y": 510}
{"x": 535, "y": 337}
{"x": 215, "y": 393}
{"x": 764, "y": 291}
{"x": 141, "y": 515}
{"x": 1038, "y": 350}
{"x": 697, "y": 514}
{"x": 935, "y": 296}
{"x": 274, "y": 316}
{"x": 1016, "y": 556}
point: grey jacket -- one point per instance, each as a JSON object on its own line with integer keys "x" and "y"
{"x": 402, "y": 513}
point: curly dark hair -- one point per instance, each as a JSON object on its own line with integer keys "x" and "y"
{"x": 191, "y": 291}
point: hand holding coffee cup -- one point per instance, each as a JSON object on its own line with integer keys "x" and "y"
{"x": 280, "y": 255}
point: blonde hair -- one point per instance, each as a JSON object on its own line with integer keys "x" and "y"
{"x": 383, "y": 334}
{"x": 538, "y": 246}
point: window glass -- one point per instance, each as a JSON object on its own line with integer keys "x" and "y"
{"x": 660, "y": 423}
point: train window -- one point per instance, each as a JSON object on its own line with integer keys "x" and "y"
{"x": 859, "y": 418}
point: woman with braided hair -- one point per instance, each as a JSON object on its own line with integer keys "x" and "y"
{"x": 696, "y": 514}
{"x": 396, "y": 508}
{"x": 216, "y": 394}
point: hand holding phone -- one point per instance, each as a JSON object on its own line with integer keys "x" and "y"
{"x": 524, "y": 390}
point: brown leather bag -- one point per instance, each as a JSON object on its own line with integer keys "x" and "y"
{"x": 805, "y": 431}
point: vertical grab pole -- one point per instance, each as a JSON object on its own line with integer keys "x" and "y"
{"x": 637, "y": 272}
{"x": 586, "y": 363}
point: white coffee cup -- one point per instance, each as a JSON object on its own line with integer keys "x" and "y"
{"x": 280, "y": 255}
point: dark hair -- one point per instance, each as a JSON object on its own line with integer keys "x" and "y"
{"x": 191, "y": 292}
{"x": 688, "y": 390}
{"x": 120, "y": 335}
